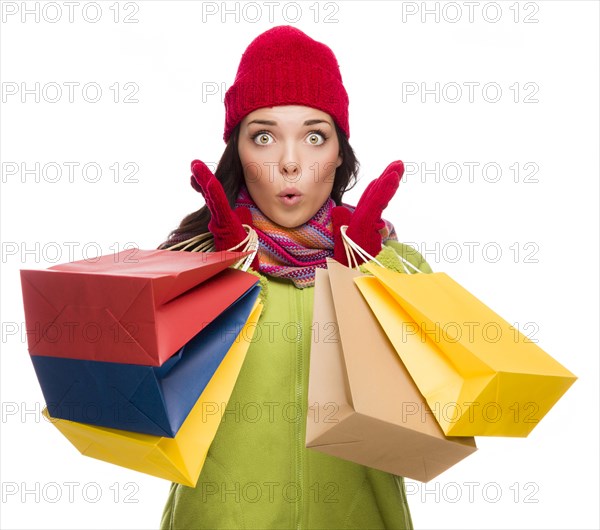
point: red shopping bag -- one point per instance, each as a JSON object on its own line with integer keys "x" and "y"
{"x": 135, "y": 306}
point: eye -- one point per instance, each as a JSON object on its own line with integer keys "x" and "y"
{"x": 261, "y": 138}
{"x": 315, "y": 136}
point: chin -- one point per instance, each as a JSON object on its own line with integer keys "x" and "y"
{"x": 289, "y": 221}
{"x": 290, "y": 224}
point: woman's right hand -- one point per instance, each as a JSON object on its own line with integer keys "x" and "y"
{"x": 225, "y": 224}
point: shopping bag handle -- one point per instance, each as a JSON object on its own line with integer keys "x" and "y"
{"x": 205, "y": 242}
{"x": 350, "y": 246}
{"x": 250, "y": 243}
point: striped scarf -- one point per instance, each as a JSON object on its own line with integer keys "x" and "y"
{"x": 295, "y": 253}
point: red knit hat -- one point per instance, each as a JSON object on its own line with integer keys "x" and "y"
{"x": 284, "y": 66}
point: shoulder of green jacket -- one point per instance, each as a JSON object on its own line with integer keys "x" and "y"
{"x": 391, "y": 255}
{"x": 264, "y": 286}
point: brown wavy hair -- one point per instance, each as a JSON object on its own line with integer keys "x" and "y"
{"x": 230, "y": 174}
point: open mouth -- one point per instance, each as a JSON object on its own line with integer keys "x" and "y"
{"x": 290, "y": 199}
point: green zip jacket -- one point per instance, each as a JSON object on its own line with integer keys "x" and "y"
{"x": 258, "y": 472}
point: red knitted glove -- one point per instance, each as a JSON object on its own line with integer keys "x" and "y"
{"x": 365, "y": 222}
{"x": 225, "y": 224}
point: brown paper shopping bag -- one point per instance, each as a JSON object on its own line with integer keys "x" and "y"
{"x": 363, "y": 405}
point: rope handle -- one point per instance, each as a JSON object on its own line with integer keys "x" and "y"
{"x": 350, "y": 246}
{"x": 250, "y": 243}
{"x": 205, "y": 242}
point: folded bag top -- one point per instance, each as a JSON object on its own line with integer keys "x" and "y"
{"x": 171, "y": 275}
{"x": 449, "y": 312}
{"x": 135, "y": 307}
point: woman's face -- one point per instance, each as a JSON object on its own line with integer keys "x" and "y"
{"x": 289, "y": 155}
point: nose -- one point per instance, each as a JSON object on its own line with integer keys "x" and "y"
{"x": 289, "y": 165}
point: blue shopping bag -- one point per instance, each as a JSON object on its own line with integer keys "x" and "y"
{"x": 147, "y": 399}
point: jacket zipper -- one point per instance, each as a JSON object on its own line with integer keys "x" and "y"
{"x": 299, "y": 439}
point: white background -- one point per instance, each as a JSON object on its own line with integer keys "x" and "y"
{"x": 547, "y": 480}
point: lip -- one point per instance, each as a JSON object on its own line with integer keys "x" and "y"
{"x": 290, "y": 201}
{"x": 290, "y": 190}
{"x": 290, "y": 196}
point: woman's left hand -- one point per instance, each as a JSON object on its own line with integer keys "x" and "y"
{"x": 365, "y": 223}
{"x": 225, "y": 224}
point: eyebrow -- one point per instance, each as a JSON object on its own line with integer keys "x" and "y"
{"x": 274, "y": 123}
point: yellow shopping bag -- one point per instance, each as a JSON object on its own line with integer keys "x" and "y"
{"x": 179, "y": 459}
{"x": 479, "y": 374}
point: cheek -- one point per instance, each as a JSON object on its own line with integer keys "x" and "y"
{"x": 257, "y": 181}
{"x": 252, "y": 170}
{"x": 255, "y": 167}
{"x": 327, "y": 163}
{"x": 251, "y": 173}
{"x": 325, "y": 168}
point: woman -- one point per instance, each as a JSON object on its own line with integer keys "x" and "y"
{"x": 285, "y": 168}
